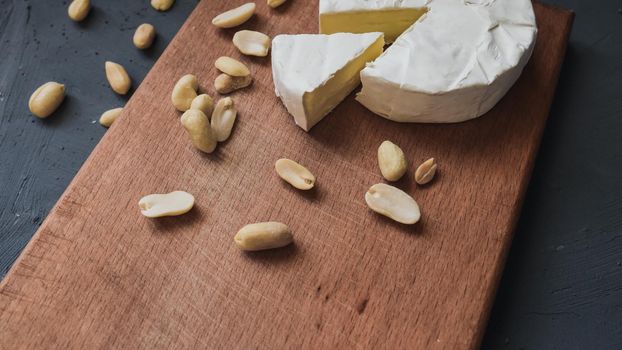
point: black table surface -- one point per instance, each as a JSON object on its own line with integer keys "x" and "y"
{"x": 562, "y": 285}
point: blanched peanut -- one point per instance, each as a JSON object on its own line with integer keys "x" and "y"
{"x": 295, "y": 174}
{"x": 393, "y": 203}
{"x": 223, "y": 119}
{"x": 235, "y": 17}
{"x": 46, "y": 99}
{"x": 198, "y": 127}
{"x": 144, "y": 36}
{"x": 203, "y": 103}
{"x": 118, "y": 78}
{"x": 252, "y": 43}
{"x": 225, "y": 83}
{"x": 275, "y": 3}
{"x": 391, "y": 161}
{"x": 232, "y": 67}
{"x": 109, "y": 116}
{"x": 184, "y": 92}
{"x": 170, "y": 204}
{"x": 79, "y": 9}
{"x": 263, "y": 235}
{"x": 426, "y": 171}
{"x": 162, "y": 5}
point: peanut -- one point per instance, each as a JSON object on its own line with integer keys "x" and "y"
{"x": 275, "y": 3}
{"x": 184, "y": 92}
{"x": 391, "y": 161}
{"x": 144, "y": 36}
{"x": 109, "y": 116}
{"x": 252, "y": 43}
{"x": 235, "y": 17}
{"x": 223, "y": 119}
{"x": 118, "y": 78}
{"x": 426, "y": 171}
{"x": 263, "y": 235}
{"x": 294, "y": 174}
{"x": 170, "y": 204}
{"x": 225, "y": 83}
{"x": 393, "y": 203}
{"x": 198, "y": 127}
{"x": 46, "y": 99}
{"x": 232, "y": 67}
{"x": 79, "y": 9}
{"x": 162, "y": 5}
{"x": 203, "y": 103}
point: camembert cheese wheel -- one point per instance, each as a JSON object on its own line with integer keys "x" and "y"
{"x": 455, "y": 60}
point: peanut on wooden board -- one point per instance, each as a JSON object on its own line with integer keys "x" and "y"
{"x": 162, "y": 5}
{"x": 199, "y": 129}
{"x": 275, "y": 3}
{"x": 223, "y": 119}
{"x": 225, "y": 84}
{"x": 118, "y": 78}
{"x": 294, "y": 174}
{"x": 263, "y": 235}
{"x": 170, "y": 204}
{"x": 252, "y": 43}
{"x": 203, "y": 103}
{"x": 235, "y": 17}
{"x": 109, "y": 116}
{"x": 393, "y": 203}
{"x": 184, "y": 92}
{"x": 79, "y": 9}
{"x": 232, "y": 67}
{"x": 426, "y": 171}
{"x": 391, "y": 161}
{"x": 46, "y": 99}
{"x": 144, "y": 36}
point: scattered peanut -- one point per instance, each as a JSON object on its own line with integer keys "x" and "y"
{"x": 184, "y": 92}
{"x": 391, "y": 161}
{"x": 109, "y": 116}
{"x": 393, "y": 203}
{"x": 170, "y": 204}
{"x": 225, "y": 83}
{"x": 232, "y": 67}
{"x": 46, "y": 99}
{"x": 263, "y": 235}
{"x": 144, "y": 36}
{"x": 79, "y": 9}
{"x": 275, "y": 3}
{"x": 252, "y": 43}
{"x": 235, "y": 17}
{"x": 118, "y": 78}
{"x": 162, "y": 5}
{"x": 203, "y": 103}
{"x": 198, "y": 127}
{"x": 426, "y": 171}
{"x": 223, "y": 119}
{"x": 295, "y": 174}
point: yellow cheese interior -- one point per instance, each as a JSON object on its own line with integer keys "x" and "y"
{"x": 322, "y": 100}
{"x": 391, "y": 22}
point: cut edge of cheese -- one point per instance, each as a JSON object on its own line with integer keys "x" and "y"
{"x": 313, "y": 73}
{"x": 392, "y": 22}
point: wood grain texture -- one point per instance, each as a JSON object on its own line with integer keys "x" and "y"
{"x": 98, "y": 274}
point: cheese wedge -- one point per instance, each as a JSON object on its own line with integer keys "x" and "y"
{"x": 313, "y": 73}
{"x": 453, "y": 64}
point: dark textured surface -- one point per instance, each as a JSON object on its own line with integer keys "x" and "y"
{"x": 562, "y": 288}
{"x": 562, "y": 285}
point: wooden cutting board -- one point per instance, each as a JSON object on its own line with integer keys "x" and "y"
{"x": 99, "y": 275}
